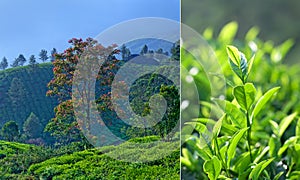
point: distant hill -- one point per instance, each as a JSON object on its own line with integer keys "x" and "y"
{"x": 27, "y": 94}
{"x": 136, "y": 46}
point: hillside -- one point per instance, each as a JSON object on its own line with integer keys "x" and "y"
{"x": 22, "y": 161}
{"x": 27, "y": 94}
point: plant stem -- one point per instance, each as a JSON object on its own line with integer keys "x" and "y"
{"x": 249, "y": 135}
{"x": 222, "y": 160}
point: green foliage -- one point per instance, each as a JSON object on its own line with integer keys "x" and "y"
{"x": 3, "y": 63}
{"x": 95, "y": 164}
{"x": 10, "y": 131}
{"x": 16, "y": 159}
{"x": 32, "y": 127}
{"x": 125, "y": 52}
{"x": 32, "y": 60}
{"x": 254, "y": 136}
{"x": 213, "y": 168}
{"x": 29, "y": 89}
{"x": 144, "y": 50}
{"x": 43, "y": 55}
{"x": 139, "y": 96}
{"x": 175, "y": 51}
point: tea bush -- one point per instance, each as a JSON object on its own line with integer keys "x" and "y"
{"x": 254, "y": 132}
{"x": 99, "y": 164}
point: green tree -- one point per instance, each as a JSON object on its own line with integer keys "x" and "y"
{"x": 144, "y": 50}
{"x": 10, "y": 131}
{"x": 32, "y": 60}
{"x": 171, "y": 95}
{"x": 160, "y": 51}
{"x": 175, "y": 51}
{"x": 21, "y": 60}
{"x": 53, "y": 53}
{"x": 43, "y": 55}
{"x": 32, "y": 127}
{"x": 125, "y": 52}
{"x": 17, "y": 93}
{"x": 15, "y": 63}
{"x": 4, "y": 63}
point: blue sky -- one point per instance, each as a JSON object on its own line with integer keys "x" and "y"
{"x": 27, "y": 26}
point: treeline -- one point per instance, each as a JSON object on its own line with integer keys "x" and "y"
{"x": 32, "y": 60}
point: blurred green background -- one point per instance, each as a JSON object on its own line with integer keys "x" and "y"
{"x": 278, "y": 20}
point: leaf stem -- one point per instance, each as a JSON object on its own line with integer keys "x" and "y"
{"x": 220, "y": 156}
{"x": 249, "y": 135}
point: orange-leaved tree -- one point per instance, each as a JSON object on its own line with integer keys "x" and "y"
{"x": 64, "y": 126}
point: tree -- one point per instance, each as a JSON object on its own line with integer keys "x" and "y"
{"x": 17, "y": 92}
{"x": 43, "y": 55}
{"x": 175, "y": 51}
{"x": 32, "y": 60}
{"x": 15, "y": 63}
{"x": 4, "y": 63}
{"x": 10, "y": 131}
{"x": 53, "y": 53}
{"x": 125, "y": 52}
{"x": 171, "y": 95}
{"x": 144, "y": 50}
{"x": 64, "y": 126}
{"x": 160, "y": 51}
{"x": 32, "y": 127}
{"x": 21, "y": 60}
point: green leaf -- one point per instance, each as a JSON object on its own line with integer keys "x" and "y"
{"x": 223, "y": 177}
{"x": 233, "y": 144}
{"x": 213, "y": 168}
{"x": 238, "y": 62}
{"x": 245, "y": 95}
{"x": 229, "y": 128}
{"x": 250, "y": 64}
{"x": 228, "y": 32}
{"x": 242, "y": 163}
{"x": 280, "y": 52}
{"x": 244, "y": 66}
{"x": 298, "y": 128}
{"x": 285, "y": 123}
{"x": 261, "y": 154}
{"x": 278, "y": 175}
{"x": 186, "y": 158}
{"x": 274, "y": 127}
{"x": 237, "y": 70}
{"x": 237, "y": 117}
{"x": 204, "y": 121}
{"x": 274, "y": 144}
{"x": 198, "y": 126}
{"x": 286, "y": 46}
{"x": 256, "y": 171}
{"x": 185, "y": 161}
{"x": 202, "y": 151}
{"x": 252, "y": 33}
{"x": 234, "y": 55}
{"x": 208, "y": 33}
{"x": 263, "y": 100}
{"x": 287, "y": 143}
{"x": 218, "y": 125}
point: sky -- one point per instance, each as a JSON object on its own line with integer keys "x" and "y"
{"x": 27, "y": 26}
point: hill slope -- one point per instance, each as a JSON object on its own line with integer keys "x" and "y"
{"x": 27, "y": 94}
{"x": 97, "y": 164}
